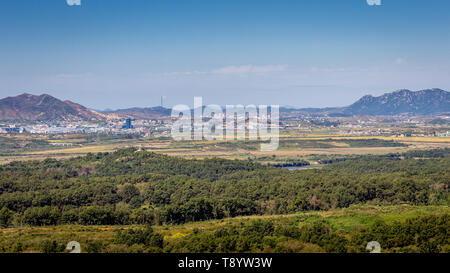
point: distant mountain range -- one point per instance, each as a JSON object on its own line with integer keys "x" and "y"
{"x": 157, "y": 112}
{"x": 401, "y": 102}
{"x": 27, "y": 107}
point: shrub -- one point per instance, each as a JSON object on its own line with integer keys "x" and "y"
{"x": 145, "y": 237}
{"x": 49, "y": 246}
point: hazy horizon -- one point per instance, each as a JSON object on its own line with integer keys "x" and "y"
{"x": 120, "y": 54}
{"x": 190, "y": 103}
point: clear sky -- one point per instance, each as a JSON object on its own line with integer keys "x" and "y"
{"x": 305, "y": 53}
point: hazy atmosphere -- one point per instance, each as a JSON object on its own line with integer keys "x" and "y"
{"x": 287, "y": 127}
{"x": 119, "y": 54}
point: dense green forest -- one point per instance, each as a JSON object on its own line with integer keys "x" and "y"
{"x": 139, "y": 187}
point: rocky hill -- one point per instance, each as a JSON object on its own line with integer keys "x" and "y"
{"x": 27, "y": 107}
{"x": 424, "y": 102}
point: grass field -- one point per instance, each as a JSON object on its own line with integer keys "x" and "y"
{"x": 290, "y": 147}
{"x": 342, "y": 221}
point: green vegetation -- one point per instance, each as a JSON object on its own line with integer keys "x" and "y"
{"x": 440, "y": 153}
{"x": 132, "y": 187}
{"x": 336, "y": 143}
{"x": 9, "y": 146}
{"x": 287, "y": 143}
{"x": 397, "y": 228}
{"x": 136, "y": 187}
{"x": 413, "y": 154}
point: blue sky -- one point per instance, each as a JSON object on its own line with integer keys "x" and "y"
{"x": 305, "y": 53}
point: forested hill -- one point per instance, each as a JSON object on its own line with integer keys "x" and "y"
{"x": 138, "y": 187}
{"x": 132, "y": 161}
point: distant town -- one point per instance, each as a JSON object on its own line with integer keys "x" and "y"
{"x": 357, "y": 126}
{"x": 127, "y": 126}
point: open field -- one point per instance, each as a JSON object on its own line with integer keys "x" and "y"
{"x": 291, "y": 147}
{"x": 341, "y": 221}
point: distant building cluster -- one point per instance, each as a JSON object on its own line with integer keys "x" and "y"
{"x": 351, "y": 126}
{"x": 119, "y": 127}
{"x": 128, "y": 124}
{"x": 13, "y": 129}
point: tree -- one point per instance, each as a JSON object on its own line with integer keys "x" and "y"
{"x": 6, "y": 217}
{"x": 128, "y": 192}
{"x": 145, "y": 237}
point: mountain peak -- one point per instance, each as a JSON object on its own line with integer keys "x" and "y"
{"x": 403, "y": 101}
{"x": 401, "y": 91}
{"x": 25, "y": 95}
{"x": 44, "y": 107}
